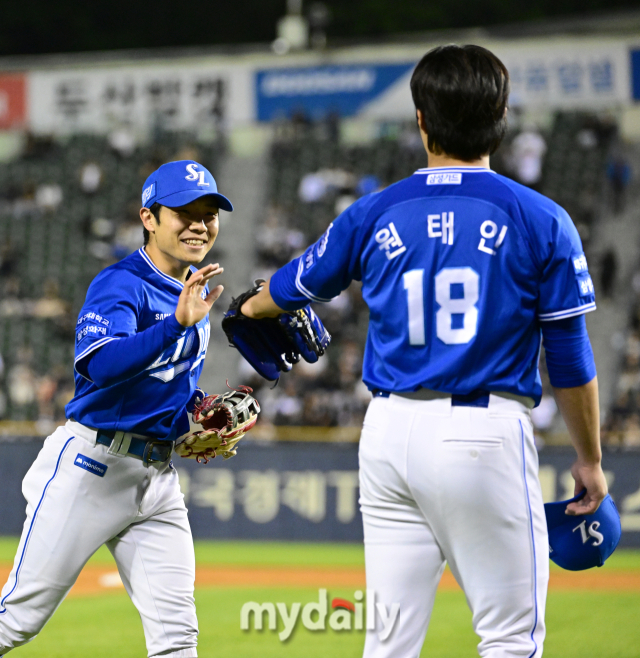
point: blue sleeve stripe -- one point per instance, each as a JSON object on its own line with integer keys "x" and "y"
{"x": 303, "y": 290}
{"x": 94, "y": 346}
{"x": 568, "y": 313}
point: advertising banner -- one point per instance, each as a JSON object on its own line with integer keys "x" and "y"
{"x": 307, "y": 491}
{"x": 195, "y": 93}
{"x": 316, "y": 91}
{"x": 635, "y": 73}
{"x": 562, "y": 74}
{"x": 13, "y": 100}
{"x": 188, "y": 96}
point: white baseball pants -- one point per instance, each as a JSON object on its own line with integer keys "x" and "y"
{"x": 138, "y": 511}
{"x": 458, "y": 485}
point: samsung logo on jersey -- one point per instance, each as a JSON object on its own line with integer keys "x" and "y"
{"x": 162, "y": 316}
{"x": 444, "y": 179}
{"x": 90, "y": 465}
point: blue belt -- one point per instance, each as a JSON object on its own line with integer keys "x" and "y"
{"x": 474, "y": 399}
{"x": 150, "y": 451}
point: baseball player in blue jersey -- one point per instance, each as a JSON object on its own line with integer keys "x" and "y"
{"x": 464, "y": 273}
{"x": 106, "y": 476}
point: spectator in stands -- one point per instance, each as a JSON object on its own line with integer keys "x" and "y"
{"x": 22, "y": 386}
{"x": 48, "y": 197}
{"x": 91, "y": 176}
{"x": 608, "y": 272}
{"x": 619, "y": 176}
{"x": 123, "y": 142}
{"x": 526, "y": 156}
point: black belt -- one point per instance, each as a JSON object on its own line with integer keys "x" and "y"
{"x": 150, "y": 451}
{"x": 474, "y": 399}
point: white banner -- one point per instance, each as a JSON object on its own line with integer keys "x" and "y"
{"x": 187, "y": 96}
{"x": 563, "y": 74}
{"x": 194, "y": 94}
{"x": 568, "y": 73}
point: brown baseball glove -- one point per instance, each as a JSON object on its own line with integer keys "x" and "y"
{"x": 225, "y": 419}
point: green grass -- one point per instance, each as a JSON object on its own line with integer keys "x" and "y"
{"x": 239, "y": 553}
{"x": 580, "y": 624}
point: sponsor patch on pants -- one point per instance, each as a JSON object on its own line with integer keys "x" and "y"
{"x": 90, "y": 465}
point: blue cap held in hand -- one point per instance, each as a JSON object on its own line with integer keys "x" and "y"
{"x": 583, "y": 541}
{"x": 178, "y": 183}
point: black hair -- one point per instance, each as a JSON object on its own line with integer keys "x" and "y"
{"x": 462, "y": 92}
{"x": 155, "y": 211}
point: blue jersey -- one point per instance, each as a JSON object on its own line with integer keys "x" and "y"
{"x": 459, "y": 266}
{"x": 125, "y": 299}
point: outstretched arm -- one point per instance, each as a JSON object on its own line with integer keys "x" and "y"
{"x": 261, "y": 305}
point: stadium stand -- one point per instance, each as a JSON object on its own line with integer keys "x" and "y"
{"x": 68, "y": 209}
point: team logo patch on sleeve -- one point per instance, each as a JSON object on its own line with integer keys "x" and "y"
{"x": 586, "y": 285}
{"x": 91, "y": 465}
{"x": 580, "y": 263}
{"x": 91, "y": 324}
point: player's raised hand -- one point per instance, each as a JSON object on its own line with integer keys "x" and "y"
{"x": 591, "y": 478}
{"x": 192, "y": 306}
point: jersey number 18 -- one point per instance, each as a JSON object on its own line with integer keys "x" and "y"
{"x": 457, "y": 317}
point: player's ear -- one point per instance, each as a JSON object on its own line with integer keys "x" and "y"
{"x": 148, "y": 219}
{"x": 420, "y": 121}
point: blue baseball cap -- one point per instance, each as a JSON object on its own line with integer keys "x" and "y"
{"x": 583, "y": 541}
{"x": 178, "y": 183}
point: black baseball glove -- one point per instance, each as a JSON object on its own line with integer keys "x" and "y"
{"x": 273, "y": 345}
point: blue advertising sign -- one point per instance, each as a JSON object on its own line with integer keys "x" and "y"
{"x": 319, "y": 90}
{"x": 307, "y": 491}
{"x": 635, "y": 74}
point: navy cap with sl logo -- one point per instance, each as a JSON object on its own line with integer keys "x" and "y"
{"x": 178, "y": 183}
{"x": 583, "y": 541}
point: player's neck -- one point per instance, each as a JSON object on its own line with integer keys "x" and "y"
{"x": 445, "y": 160}
{"x": 167, "y": 264}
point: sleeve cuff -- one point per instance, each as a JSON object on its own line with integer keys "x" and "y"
{"x": 172, "y": 328}
{"x": 283, "y": 290}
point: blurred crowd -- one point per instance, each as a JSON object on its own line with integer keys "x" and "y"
{"x": 622, "y": 422}
{"x": 69, "y": 209}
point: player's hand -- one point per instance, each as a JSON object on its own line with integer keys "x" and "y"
{"x": 591, "y": 478}
{"x": 192, "y": 307}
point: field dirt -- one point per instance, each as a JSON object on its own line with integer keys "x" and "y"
{"x": 102, "y": 579}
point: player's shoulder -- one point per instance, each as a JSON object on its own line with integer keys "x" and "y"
{"x": 373, "y": 205}
{"x": 531, "y": 203}
{"x": 123, "y": 275}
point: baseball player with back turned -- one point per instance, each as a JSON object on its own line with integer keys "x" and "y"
{"x": 106, "y": 476}
{"x": 464, "y": 273}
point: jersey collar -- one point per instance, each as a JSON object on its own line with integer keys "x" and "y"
{"x": 460, "y": 169}
{"x": 166, "y": 277}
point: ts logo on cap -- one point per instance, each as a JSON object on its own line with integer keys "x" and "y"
{"x": 591, "y": 531}
{"x": 194, "y": 174}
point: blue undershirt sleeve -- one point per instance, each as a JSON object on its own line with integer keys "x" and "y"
{"x": 124, "y": 358}
{"x": 568, "y": 351}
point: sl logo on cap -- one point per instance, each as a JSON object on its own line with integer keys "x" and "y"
{"x": 194, "y": 174}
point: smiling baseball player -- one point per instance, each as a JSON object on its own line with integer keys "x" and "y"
{"x": 106, "y": 476}
{"x": 464, "y": 272}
